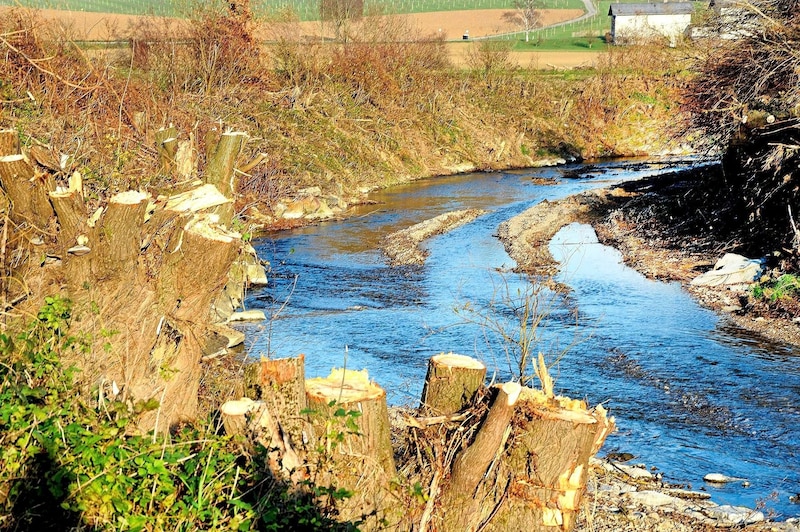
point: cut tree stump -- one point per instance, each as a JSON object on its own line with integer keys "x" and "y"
{"x": 351, "y": 422}
{"x": 281, "y": 384}
{"x": 220, "y": 168}
{"x": 451, "y": 384}
{"x": 471, "y": 464}
{"x": 257, "y": 423}
{"x": 27, "y": 191}
{"x": 141, "y": 275}
{"x": 541, "y": 478}
{"x": 9, "y": 142}
{"x": 167, "y": 146}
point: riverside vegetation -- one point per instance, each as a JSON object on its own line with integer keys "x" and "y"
{"x": 381, "y": 108}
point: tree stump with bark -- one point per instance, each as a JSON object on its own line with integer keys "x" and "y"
{"x": 541, "y": 478}
{"x": 351, "y": 422}
{"x": 281, "y": 384}
{"x": 451, "y": 383}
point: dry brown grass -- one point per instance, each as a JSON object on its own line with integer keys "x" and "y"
{"x": 387, "y": 106}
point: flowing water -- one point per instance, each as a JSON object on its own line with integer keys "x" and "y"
{"x": 691, "y": 393}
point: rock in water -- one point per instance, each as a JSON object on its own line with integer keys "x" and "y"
{"x": 719, "y": 478}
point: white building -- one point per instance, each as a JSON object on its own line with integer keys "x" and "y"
{"x": 637, "y": 23}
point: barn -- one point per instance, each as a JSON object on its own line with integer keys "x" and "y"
{"x": 637, "y": 23}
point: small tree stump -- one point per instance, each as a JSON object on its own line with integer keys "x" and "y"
{"x": 71, "y": 212}
{"x": 118, "y": 237}
{"x": 281, "y": 383}
{"x": 255, "y": 421}
{"x": 450, "y": 384}
{"x": 219, "y": 170}
{"x": 234, "y": 416}
{"x": 166, "y": 141}
{"x": 27, "y": 194}
{"x": 9, "y": 142}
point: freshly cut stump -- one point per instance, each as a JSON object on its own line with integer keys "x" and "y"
{"x": 351, "y": 422}
{"x": 542, "y": 475}
{"x": 471, "y": 464}
{"x": 281, "y": 383}
{"x": 451, "y": 383}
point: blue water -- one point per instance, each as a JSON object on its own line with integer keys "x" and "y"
{"x": 691, "y": 393}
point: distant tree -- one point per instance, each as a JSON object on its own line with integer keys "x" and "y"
{"x": 527, "y": 15}
{"x": 341, "y": 13}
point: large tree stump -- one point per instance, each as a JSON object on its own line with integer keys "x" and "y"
{"x": 351, "y": 422}
{"x": 542, "y": 475}
{"x": 451, "y": 383}
{"x": 141, "y": 275}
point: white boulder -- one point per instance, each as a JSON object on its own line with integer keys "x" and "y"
{"x": 731, "y": 269}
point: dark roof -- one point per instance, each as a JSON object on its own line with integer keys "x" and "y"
{"x": 663, "y": 8}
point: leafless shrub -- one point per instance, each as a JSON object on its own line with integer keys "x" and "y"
{"x": 490, "y": 56}
{"x": 749, "y": 64}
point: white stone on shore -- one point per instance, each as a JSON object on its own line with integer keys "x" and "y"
{"x": 688, "y": 494}
{"x": 633, "y": 471}
{"x": 248, "y": 315}
{"x": 653, "y": 498}
{"x": 737, "y": 515}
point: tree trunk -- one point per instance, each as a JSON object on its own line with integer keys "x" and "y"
{"x": 255, "y": 421}
{"x": 471, "y": 464}
{"x": 220, "y": 168}
{"x": 281, "y": 384}
{"x": 351, "y": 422}
{"x": 167, "y": 146}
{"x": 542, "y": 476}
{"x": 451, "y": 384}
{"x": 9, "y": 142}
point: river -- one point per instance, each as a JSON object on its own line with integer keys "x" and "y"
{"x": 691, "y": 393}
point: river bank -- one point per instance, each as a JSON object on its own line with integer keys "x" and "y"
{"x": 629, "y": 217}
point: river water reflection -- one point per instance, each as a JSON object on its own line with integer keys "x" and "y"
{"x": 691, "y": 393}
